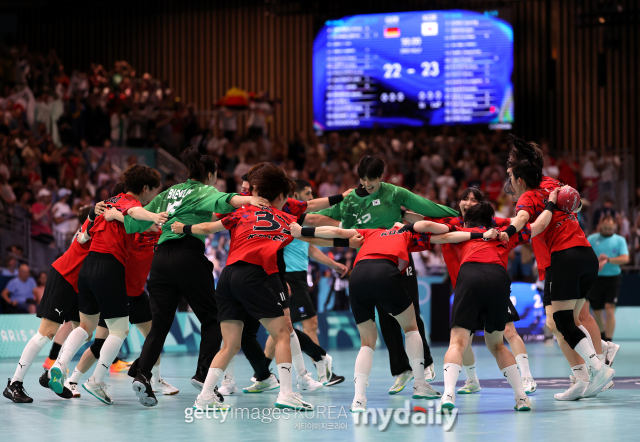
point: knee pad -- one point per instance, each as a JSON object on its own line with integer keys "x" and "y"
{"x": 566, "y": 325}
{"x": 96, "y": 347}
{"x": 118, "y": 327}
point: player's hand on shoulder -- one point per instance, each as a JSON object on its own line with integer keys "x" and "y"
{"x": 491, "y": 234}
{"x": 503, "y": 236}
{"x": 109, "y": 215}
{"x": 296, "y": 230}
{"x": 100, "y": 208}
{"x": 355, "y": 242}
{"x": 347, "y": 192}
{"x": 177, "y": 227}
{"x": 259, "y": 201}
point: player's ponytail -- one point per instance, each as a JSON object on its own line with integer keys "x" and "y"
{"x": 526, "y": 161}
{"x": 479, "y": 215}
{"x": 198, "y": 166}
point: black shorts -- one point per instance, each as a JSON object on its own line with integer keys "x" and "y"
{"x": 245, "y": 288}
{"x": 546, "y": 297}
{"x": 301, "y": 306}
{"x": 278, "y": 285}
{"x": 605, "y": 290}
{"x": 139, "y": 310}
{"x": 102, "y": 288}
{"x": 376, "y": 281}
{"x": 513, "y": 317}
{"x": 572, "y": 273}
{"x": 60, "y": 300}
{"x": 482, "y": 298}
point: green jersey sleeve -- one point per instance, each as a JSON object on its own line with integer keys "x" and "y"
{"x": 132, "y": 225}
{"x": 334, "y": 212}
{"x": 217, "y": 202}
{"x": 423, "y": 206}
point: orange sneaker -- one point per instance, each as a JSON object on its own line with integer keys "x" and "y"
{"x": 48, "y": 363}
{"x": 119, "y": 367}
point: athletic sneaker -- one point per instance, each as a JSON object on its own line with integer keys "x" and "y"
{"x": 197, "y": 381}
{"x": 401, "y": 381}
{"x": 57, "y": 376}
{"x": 66, "y": 392}
{"x": 97, "y": 390}
{"x": 325, "y": 369}
{"x": 575, "y": 392}
{"x": 162, "y": 386}
{"x": 228, "y": 386}
{"x": 210, "y": 404}
{"x": 470, "y": 386}
{"x": 359, "y": 405}
{"x": 610, "y": 354}
{"x": 306, "y": 382}
{"x": 598, "y": 379}
{"x": 15, "y": 392}
{"x": 142, "y": 388}
{"x": 271, "y": 383}
{"x": 73, "y": 388}
{"x": 426, "y": 392}
{"x": 523, "y": 404}
{"x": 529, "y": 385}
{"x": 293, "y": 401}
{"x": 335, "y": 380}
{"x": 48, "y": 363}
{"x": 429, "y": 373}
{"x": 447, "y": 402}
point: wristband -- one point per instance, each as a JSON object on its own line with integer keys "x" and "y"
{"x": 408, "y": 228}
{"x": 551, "y": 206}
{"x": 477, "y": 235}
{"x": 340, "y": 242}
{"x": 335, "y": 199}
{"x": 308, "y": 231}
{"x": 186, "y": 228}
{"x": 301, "y": 218}
{"x": 92, "y": 215}
{"x": 511, "y": 230}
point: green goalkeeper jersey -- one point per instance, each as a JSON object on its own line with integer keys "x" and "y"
{"x": 190, "y": 202}
{"x": 382, "y": 209}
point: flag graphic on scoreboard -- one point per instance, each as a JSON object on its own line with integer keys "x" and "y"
{"x": 391, "y": 32}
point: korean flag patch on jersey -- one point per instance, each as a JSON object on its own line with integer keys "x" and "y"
{"x": 376, "y": 202}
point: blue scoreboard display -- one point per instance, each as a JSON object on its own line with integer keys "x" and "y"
{"x": 413, "y": 69}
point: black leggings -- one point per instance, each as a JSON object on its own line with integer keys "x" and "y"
{"x": 180, "y": 268}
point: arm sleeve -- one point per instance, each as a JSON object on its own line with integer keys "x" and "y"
{"x": 522, "y": 237}
{"x": 423, "y": 206}
{"x": 294, "y": 207}
{"x": 136, "y": 226}
{"x": 334, "y": 212}
{"x": 624, "y": 249}
{"x": 230, "y": 220}
{"x": 527, "y": 204}
{"x": 420, "y": 242}
{"x": 217, "y": 202}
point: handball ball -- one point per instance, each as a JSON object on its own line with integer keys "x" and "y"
{"x": 568, "y": 199}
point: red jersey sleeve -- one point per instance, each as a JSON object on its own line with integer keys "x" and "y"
{"x": 420, "y": 242}
{"x": 501, "y": 222}
{"x": 528, "y": 204}
{"x": 294, "y": 207}
{"x": 522, "y": 237}
{"x": 230, "y": 220}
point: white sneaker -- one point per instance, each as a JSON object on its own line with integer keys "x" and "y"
{"x": 429, "y": 373}
{"x": 306, "y": 382}
{"x": 73, "y": 387}
{"x": 209, "y": 404}
{"x": 57, "y": 376}
{"x": 271, "y": 383}
{"x": 401, "y": 381}
{"x": 324, "y": 369}
{"x": 97, "y": 390}
{"x": 425, "y": 392}
{"x": 228, "y": 386}
{"x": 612, "y": 351}
{"x": 293, "y": 401}
{"x": 523, "y": 404}
{"x": 447, "y": 402}
{"x": 359, "y": 405}
{"x": 575, "y": 392}
{"x": 598, "y": 379}
{"x": 162, "y": 386}
{"x": 529, "y": 385}
{"x": 470, "y": 386}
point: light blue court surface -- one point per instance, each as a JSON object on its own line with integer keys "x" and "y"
{"x": 486, "y": 416}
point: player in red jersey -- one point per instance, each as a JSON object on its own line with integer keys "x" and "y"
{"x": 469, "y": 198}
{"x": 376, "y": 280}
{"x": 102, "y": 283}
{"x": 572, "y": 268}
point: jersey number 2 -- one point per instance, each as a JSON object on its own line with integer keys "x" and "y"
{"x": 268, "y": 217}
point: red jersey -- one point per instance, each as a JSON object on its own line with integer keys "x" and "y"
{"x": 139, "y": 263}
{"x": 563, "y": 232}
{"x": 389, "y": 244}
{"x": 69, "y": 264}
{"x": 450, "y": 252}
{"x": 292, "y": 207}
{"x": 256, "y": 235}
{"x": 110, "y": 236}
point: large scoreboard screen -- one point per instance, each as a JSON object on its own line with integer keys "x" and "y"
{"x": 414, "y": 69}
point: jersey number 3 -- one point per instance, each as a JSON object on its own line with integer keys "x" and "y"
{"x": 268, "y": 217}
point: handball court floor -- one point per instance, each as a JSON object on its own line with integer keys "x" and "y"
{"x": 485, "y": 416}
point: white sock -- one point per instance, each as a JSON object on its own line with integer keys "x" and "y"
{"x": 523, "y": 364}
{"x": 587, "y": 352}
{"x": 228, "y": 373}
{"x": 415, "y": 351}
{"x": 108, "y": 353}
{"x": 586, "y": 333}
{"x": 513, "y": 377}
{"x": 210, "y": 383}
{"x": 74, "y": 341}
{"x": 364, "y": 362}
{"x": 30, "y": 352}
{"x": 451, "y": 374}
{"x": 76, "y": 376}
{"x": 155, "y": 373}
{"x": 284, "y": 370}
{"x": 580, "y": 372}
{"x": 470, "y": 371}
{"x": 296, "y": 354}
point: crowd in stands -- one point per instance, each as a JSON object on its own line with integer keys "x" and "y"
{"x": 50, "y": 119}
